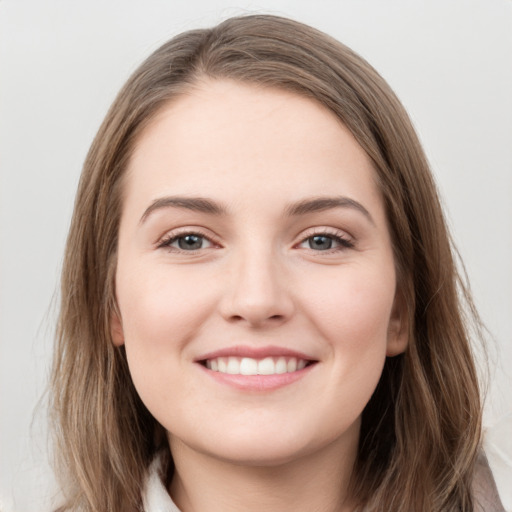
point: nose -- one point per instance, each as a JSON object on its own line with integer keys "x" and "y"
{"x": 257, "y": 291}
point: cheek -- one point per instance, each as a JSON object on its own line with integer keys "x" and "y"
{"x": 352, "y": 312}
{"x": 161, "y": 312}
{"x": 353, "y": 309}
{"x": 159, "y": 307}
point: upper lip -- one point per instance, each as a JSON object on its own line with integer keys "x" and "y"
{"x": 255, "y": 353}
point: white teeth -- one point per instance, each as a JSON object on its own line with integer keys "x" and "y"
{"x": 250, "y": 366}
{"x": 281, "y": 366}
{"x": 266, "y": 366}
{"x": 233, "y": 366}
{"x": 223, "y": 365}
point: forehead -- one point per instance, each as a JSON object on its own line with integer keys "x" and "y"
{"x": 245, "y": 142}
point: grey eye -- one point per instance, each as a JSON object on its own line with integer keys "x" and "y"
{"x": 320, "y": 242}
{"x": 190, "y": 242}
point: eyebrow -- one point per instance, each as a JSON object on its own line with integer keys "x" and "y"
{"x": 320, "y": 204}
{"x": 303, "y": 207}
{"x": 196, "y": 204}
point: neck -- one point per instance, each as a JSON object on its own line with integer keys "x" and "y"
{"x": 316, "y": 482}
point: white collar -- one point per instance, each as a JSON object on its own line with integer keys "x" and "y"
{"x": 155, "y": 497}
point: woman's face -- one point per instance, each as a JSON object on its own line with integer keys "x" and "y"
{"x": 255, "y": 279}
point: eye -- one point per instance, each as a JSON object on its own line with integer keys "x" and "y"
{"x": 187, "y": 242}
{"x": 326, "y": 242}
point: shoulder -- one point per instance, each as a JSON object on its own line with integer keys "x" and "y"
{"x": 485, "y": 493}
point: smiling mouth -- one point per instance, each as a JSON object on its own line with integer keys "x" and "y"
{"x": 250, "y": 366}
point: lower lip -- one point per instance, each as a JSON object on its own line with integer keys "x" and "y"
{"x": 258, "y": 382}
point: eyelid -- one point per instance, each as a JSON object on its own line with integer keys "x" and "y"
{"x": 170, "y": 236}
{"x": 347, "y": 241}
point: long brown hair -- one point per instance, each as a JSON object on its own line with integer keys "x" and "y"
{"x": 421, "y": 429}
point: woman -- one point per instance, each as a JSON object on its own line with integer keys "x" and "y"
{"x": 260, "y": 307}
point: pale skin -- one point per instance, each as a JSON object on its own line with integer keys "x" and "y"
{"x": 286, "y": 250}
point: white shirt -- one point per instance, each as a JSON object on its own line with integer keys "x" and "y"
{"x": 155, "y": 497}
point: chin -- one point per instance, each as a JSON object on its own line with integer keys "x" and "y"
{"x": 261, "y": 446}
{"x": 257, "y": 455}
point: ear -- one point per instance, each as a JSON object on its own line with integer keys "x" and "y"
{"x": 398, "y": 329}
{"x": 116, "y": 329}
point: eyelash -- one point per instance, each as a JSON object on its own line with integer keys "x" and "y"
{"x": 168, "y": 240}
{"x": 341, "y": 239}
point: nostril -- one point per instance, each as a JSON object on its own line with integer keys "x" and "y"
{"x": 255, "y": 321}
{"x": 256, "y": 310}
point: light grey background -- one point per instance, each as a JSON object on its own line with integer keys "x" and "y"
{"x": 62, "y": 62}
